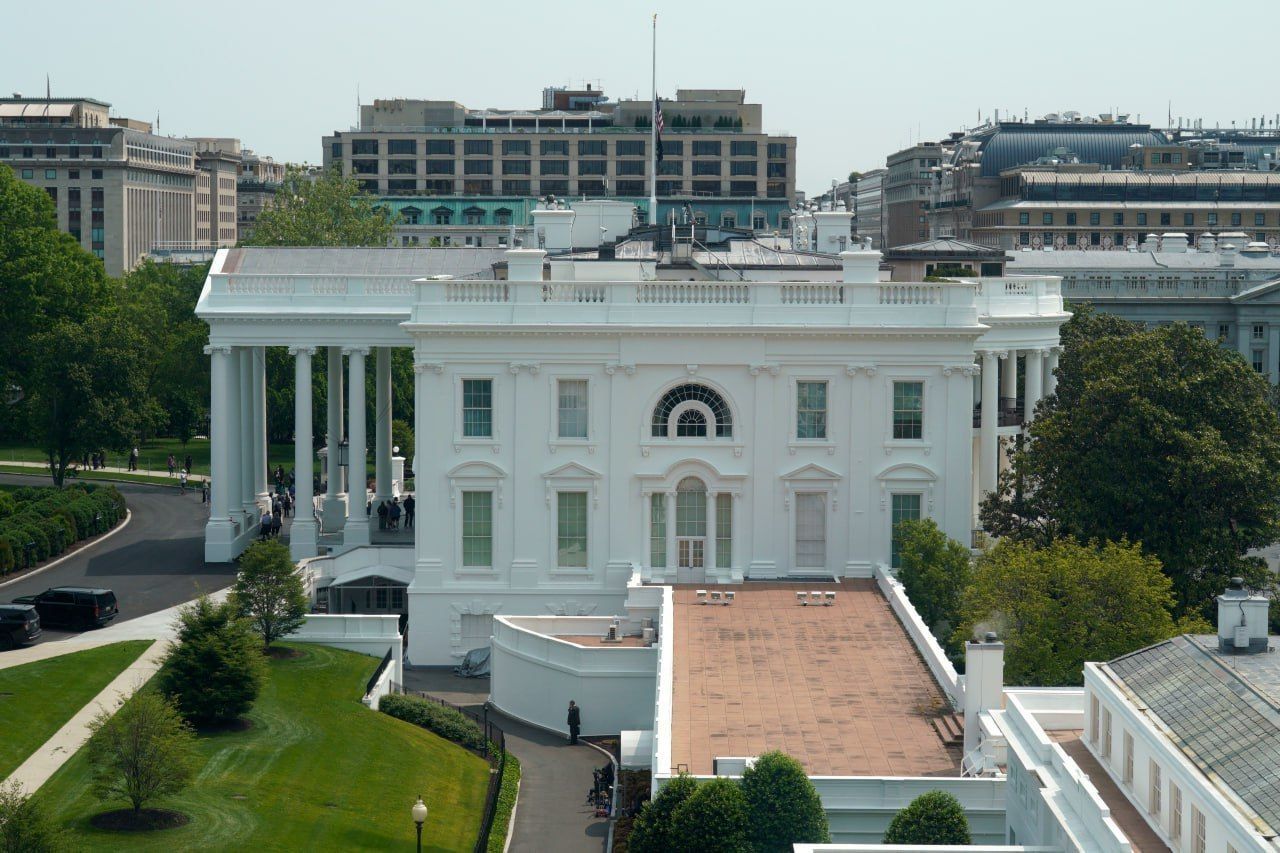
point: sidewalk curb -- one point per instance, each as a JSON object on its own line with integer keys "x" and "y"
{"x": 128, "y": 516}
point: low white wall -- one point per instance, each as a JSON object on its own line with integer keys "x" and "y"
{"x": 660, "y": 720}
{"x": 368, "y": 634}
{"x": 534, "y": 674}
{"x": 922, "y": 848}
{"x": 382, "y": 687}
{"x": 934, "y": 657}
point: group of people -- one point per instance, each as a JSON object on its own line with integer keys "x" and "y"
{"x": 390, "y": 512}
{"x": 273, "y": 520}
{"x": 172, "y": 462}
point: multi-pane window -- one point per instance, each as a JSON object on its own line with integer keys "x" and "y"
{"x": 908, "y": 410}
{"x": 706, "y": 148}
{"x": 593, "y": 148}
{"x": 1224, "y": 330}
{"x": 1046, "y": 219}
{"x": 629, "y": 147}
{"x": 477, "y": 529}
{"x": 515, "y": 146}
{"x": 742, "y": 167}
{"x": 1127, "y": 768}
{"x": 1142, "y": 219}
{"x": 1235, "y": 219}
{"x": 706, "y": 167}
{"x": 658, "y": 530}
{"x": 477, "y": 167}
{"x": 477, "y": 408}
{"x": 742, "y": 149}
{"x": 438, "y": 146}
{"x": 571, "y": 530}
{"x": 1093, "y": 719}
{"x": 592, "y": 167}
{"x": 660, "y": 423}
{"x": 811, "y": 410}
{"x": 1175, "y": 812}
{"x": 811, "y": 530}
{"x": 572, "y": 408}
{"x": 439, "y": 167}
{"x": 631, "y": 167}
{"x": 1259, "y": 331}
{"x": 1095, "y": 218}
{"x": 553, "y": 167}
{"x": 777, "y": 150}
{"x": 904, "y": 507}
{"x": 362, "y": 146}
{"x": 1197, "y": 831}
{"x": 402, "y": 146}
{"x": 554, "y": 146}
{"x": 517, "y": 167}
{"x": 1153, "y": 788}
{"x": 1117, "y": 218}
{"x": 1024, "y": 218}
{"x": 691, "y": 508}
{"x": 477, "y": 146}
{"x": 1071, "y": 217}
{"x": 1106, "y": 733}
{"x": 673, "y": 147}
{"x": 1259, "y": 219}
{"x": 724, "y": 530}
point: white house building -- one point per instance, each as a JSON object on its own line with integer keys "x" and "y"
{"x": 587, "y": 418}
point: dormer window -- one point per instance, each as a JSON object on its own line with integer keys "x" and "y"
{"x": 692, "y": 411}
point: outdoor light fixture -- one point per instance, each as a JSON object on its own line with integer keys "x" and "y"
{"x": 419, "y": 818}
{"x": 344, "y": 453}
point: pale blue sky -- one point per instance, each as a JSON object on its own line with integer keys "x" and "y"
{"x": 852, "y": 81}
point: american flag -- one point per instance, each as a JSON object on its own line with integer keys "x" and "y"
{"x": 657, "y": 109}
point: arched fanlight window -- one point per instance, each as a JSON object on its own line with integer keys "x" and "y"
{"x": 692, "y": 411}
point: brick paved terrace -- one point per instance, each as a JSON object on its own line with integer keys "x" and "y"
{"x": 840, "y": 688}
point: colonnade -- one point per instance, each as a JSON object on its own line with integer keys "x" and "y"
{"x": 999, "y": 392}
{"x": 238, "y": 451}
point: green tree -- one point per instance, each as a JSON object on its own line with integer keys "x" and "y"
{"x": 215, "y": 671}
{"x": 269, "y": 592}
{"x": 402, "y": 437}
{"x": 24, "y": 825}
{"x": 854, "y": 177}
{"x": 712, "y": 820}
{"x": 652, "y": 831}
{"x": 783, "y": 807}
{"x": 1061, "y": 605}
{"x": 324, "y": 210}
{"x": 934, "y": 572}
{"x": 935, "y": 817}
{"x": 1161, "y": 437}
{"x": 141, "y": 752}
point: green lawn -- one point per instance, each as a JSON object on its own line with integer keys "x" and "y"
{"x": 37, "y": 699}
{"x": 97, "y": 476}
{"x": 152, "y": 455}
{"x": 316, "y": 771}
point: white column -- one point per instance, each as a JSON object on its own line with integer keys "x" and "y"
{"x": 710, "y": 553}
{"x": 1034, "y": 382}
{"x": 302, "y": 533}
{"x": 357, "y": 530}
{"x": 671, "y": 536}
{"x": 382, "y": 425}
{"x": 1009, "y": 381}
{"x": 1050, "y": 371}
{"x": 258, "y": 356}
{"x": 248, "y": 498}
{"x": 987, "y": 446}
{"x": 219, "y": 536}
{"x": 335, "y": 504}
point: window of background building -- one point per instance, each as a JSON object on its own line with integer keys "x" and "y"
{"x": 1047, "y": 238}
{"x": 742, "y": 167}
{"x": 1211, "y": 218}
{"x": 1046, "y": 219}
{"x": 670, "y": 167}
{"x": 1071, "y": 218}
{"x": 811, "y": 410}
{"x": 666, "y": 188}
{"x": 514, "y": 188}
{"x": 706, "y": 148}
{"x": 515, "y": 147}
{"x": 517, "y": 167}
{"x": 706, "y": 167}
{"x": 673, "y": 147}
{"x": 553, "y": 167}
{"x": 1024, "y": 238}
{"x": 1117, "y": 218}
{"x": 1235, "y": 219}
{"x": 1095, "y": 238}
{"x": 776, "y": 170}
{"x": 477, "y": 146}
{"x": 742, "y": 148}
{"x": 706, "y": 188}
{"x": 572, "y": 408}
{"x": 439, "y": 167}
{"x": 592, "y": 167}
{"x": 477, "y": 187}
{"x": 554, "y": 187}
{"x": 904, "y": 507}
{"x": 477, "y": 529}
{"x": 477, "y": 408}
{"x": 908, "y": 410}
{"x": 439, "y": 187}
{"x": 742, "y": 189}
{"x": 630, "y": 148}
{"x": 1024, "y": 218}
{"x": 1142, "y": 219}
{"x": 777, "y": 150}
{"x": 1095, "y": 218}
{"x": 630, "y": 167}
{"x": 477, "y": 167}
{"x": 811, "y": 530}
{"x": 402, "y": 167}
{"x": 402, "y": 146}
{"x": 554, "y": 147}
{"x": 1166, "y": 219}
{"x": 571, "y": 530}
{"x": 439, "y": 146}
{"x": 775, "y": 189}
{"x": 1189, "y": 219}
{"x": 593, "y": 148}
{"x": 364, "y": 146}
{"x": 1071, "y": 239}
{"x": 632, "y": 188}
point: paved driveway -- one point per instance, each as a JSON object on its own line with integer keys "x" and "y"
{"x": 154, "y": 563}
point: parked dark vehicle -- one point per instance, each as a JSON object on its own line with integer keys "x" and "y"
{"x": 73, "y": 606}
{"x": 19, "y": 624}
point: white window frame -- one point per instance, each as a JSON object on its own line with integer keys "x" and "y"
{"x": 810, "y": 479}
{"x": 1199, "y": 830}
{"x": 926, "y": 394}
{"x": 905, "y": 492}
{"x": 826, "y": 532}
{"x": 1126, "y": 767}
{"x": 493, "y": 530}
{"x": 554, "y": 439}
{"x": 1107, "y": 725}
{"x": 476, "y": 476}
{"x": 1155, "y": 799}
{"x": 795, "y": 442}
{"x": 555, "y": 544}
{"x": 1094, "y": 717}
{"x": 496, "y": 387}
{"x": 1175, "y": 814}
{"x": 570, "y": 477}
{"x": 648, "y": 441}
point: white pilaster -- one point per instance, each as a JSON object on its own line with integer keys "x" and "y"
{"x": 1009, "y": 381}
{"x": 672, "y": 562}
{"x": 220, "y": 531}
{"x": 303, "y": 532}
{"x": 1034, "y": 382}
{"x": 1051, "y": 370}
{"x": 382, "y": 425}
{"x": 357, "y": 530}
{"x": 709, "y": 558}
{"x": 248, "y": 497}
{"x": 258, "y": 360}
{"x": 335, "y": 502}
{"x": 988, "y": 447}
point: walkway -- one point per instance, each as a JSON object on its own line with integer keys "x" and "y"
{"x": 43, "y": 468}
{"x": 552, "y": 813}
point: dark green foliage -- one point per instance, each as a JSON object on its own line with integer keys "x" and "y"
{"x": 24, "y": 826}
{"x": 268, "y": 592}
{"x": 932, "y": 818}
{"x": 712, "y": 820}
{"x": 54, "y": 519}
{"x": 506, "y": 804}
{"x": 402, "y": 437}
{"x": 652, "y": 832}
{"x": 934, "y": 573}
{"x": 6, "y": 556}
{"x": 449, "y": 724}
{"x": 216, "y": 669}
{"x": 142, "y": 751}
{"x": 329, "y": 210}
{"x": 783, "y": 807}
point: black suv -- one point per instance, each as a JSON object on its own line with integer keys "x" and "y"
{"x": 19, "y": 623}
{"x": 73, "y": 606}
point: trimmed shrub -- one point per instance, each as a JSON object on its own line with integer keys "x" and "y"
{"x": 712, "y": 820}
{"x": 506, "y": 805}
{"x": 935, "y": 817}
{"x": 216, "y": 669}
{"x": 449, "y": 724}
{"x": 8, "y": 506}
{"x": 6, "y": 556}
{"x": 25, "y": 826}
{"x": 652, "y": 831}
{"x": 783, "y": 808}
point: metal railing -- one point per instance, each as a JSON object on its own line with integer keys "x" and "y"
{"x": 377, "y": 673}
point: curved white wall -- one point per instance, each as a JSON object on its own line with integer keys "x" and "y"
{"x": 534, "y": 675}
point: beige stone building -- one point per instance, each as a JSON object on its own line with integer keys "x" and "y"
{"x": 218, "y": 163}
{"x": 256, "y": 184}
{"x": 118, "y": 187}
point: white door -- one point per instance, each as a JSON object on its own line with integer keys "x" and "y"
{"x": 691, "y": 559}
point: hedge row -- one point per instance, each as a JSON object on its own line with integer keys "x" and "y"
{"x": 506, "y": 805}
{"x": 449, "y": 724}
{"x": 39, "y": 523}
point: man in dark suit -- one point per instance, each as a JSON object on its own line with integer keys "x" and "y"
{"x": 575, "y": 721}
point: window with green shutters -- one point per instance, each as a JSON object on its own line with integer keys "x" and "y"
{"x": 571, "y": 530}
{"x": 724, "y": 531}
{"x": 908, "y": 410}
{"x": 811, "y": 410}
{"x": 658, "y": 530}
{"x": 477, "y": 408}
{"x": 904, "y": 508}
{"x": 477, "y": 529}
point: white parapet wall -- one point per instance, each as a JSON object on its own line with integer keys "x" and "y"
{"x": 944, "y": 672}
{"x": 372, "y": 635}
{"x": 534, "y": 674}
{"x": 922, "y": 848}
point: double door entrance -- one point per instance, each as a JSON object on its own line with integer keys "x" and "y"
{"x": 691, "y": 559}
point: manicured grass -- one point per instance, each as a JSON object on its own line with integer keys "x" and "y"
{"x": 315, "y": 771}
{"x": 96, "y": 476}
{"x": 37, "y": 699}
{"x": 153, "y": 455}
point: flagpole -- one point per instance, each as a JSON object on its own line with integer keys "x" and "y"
{"x": 653, "y": 130}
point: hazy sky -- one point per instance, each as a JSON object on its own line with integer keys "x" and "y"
{"x": 852, "y": 81}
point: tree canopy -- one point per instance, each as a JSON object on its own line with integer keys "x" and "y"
{"x": 142, "y": 751}
{"x": 934, "y": 573}
{"x": 215, "y": 671}
{"x": 783, "y": 807}
{"x": 322, "y": 210}
{"x": 1160, "y": 437}
{"x": 268, "y": 592}
{"x": 1058, "y": 606}
{"x": 652, "y": 831}
{"x": 712, "y": 820}
{"x": 935, "y": 817}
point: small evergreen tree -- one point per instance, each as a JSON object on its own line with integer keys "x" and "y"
{"x": 934, "y": 573}
{"x": 216, "y": 669}
{"x": 712, "y": 820}
{"x": 269, "y": 592}
{"x": 24, "y": 826}
{"x": 935, "y": 817}
{"x": 652, "y": 831}
{"x": 783, "y": 807}
{"x": 141, "y": 752}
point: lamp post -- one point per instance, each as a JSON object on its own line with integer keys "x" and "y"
{"x": 486, "y": 720}
{"x": 419, "y": 818}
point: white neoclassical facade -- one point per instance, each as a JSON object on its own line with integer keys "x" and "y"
{"x": 587, "y": 419}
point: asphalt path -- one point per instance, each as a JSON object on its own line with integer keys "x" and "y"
{"x": 155, "y": 562}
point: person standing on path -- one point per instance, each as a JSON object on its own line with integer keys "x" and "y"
{"x": 172, "y": 463}
{"x": 186, "y": 463}
{"x": 133, "y": 459}
{"x": 575, "y": 721}
{"x": 182, "y": 481}
{"x": 409, "y": 504}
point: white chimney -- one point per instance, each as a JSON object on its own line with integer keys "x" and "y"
{"x": 1173, "y": 242}
{"x": 860, "y": 267}
{"x": 983, "y": 685}
{"x": 832, "y": 230}
{"x": 554, "y": 229}
{"x": 1242, "y": 620}
{"x": 1208, "y": 243}
{"x": 524, "y": 264}
{"x": 1227, "y": 255}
